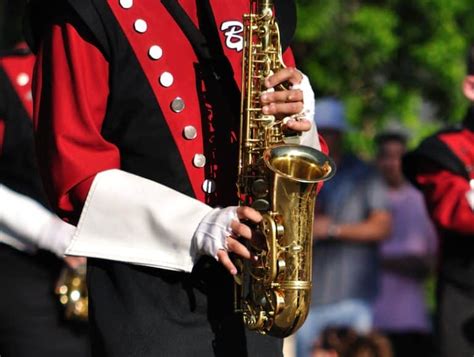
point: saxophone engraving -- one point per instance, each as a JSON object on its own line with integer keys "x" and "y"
{"x": 280, "y": 180}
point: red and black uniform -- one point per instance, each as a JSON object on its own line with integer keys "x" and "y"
{"x": 18, "y": 169}
{"x": 31, "y": 319}
{"x": 442, "y": 167}
{"x": 135, "y": 94}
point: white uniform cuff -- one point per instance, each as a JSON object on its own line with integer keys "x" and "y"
{"x": 132, "y": 219}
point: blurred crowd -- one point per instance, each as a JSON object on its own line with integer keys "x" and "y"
{"x": 374, "y": 248}
{"x": 384, "y": 231}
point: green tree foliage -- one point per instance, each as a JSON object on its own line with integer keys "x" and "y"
{"x": 388, "y": 60}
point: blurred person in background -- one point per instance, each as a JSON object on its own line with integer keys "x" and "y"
{"x": 442, "y": 167}
{"x": 352, "y": 217}
{"x": 32, "y": 239}
{"x": 345, "y": 342}
{"x": 406, "y": 256}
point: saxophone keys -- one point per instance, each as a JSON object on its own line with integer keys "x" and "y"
{"x": 281, "y": 266}
{"x": 260, "y": 188}
{"x": 261, "y": 205}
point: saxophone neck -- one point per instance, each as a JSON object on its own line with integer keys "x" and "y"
{"x": 265, "y": 4}
{"x": 262, "y": 6}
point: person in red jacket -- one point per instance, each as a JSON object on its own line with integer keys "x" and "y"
{"x": 33, "y": 240}
{"x": 137, "y": 117}
{"x": 443, "y": 168}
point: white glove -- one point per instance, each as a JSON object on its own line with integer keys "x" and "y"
{"x": 32, "y": 223}
{"x": 310, "y": 137}
{"x": 211, "y": 234}
{"x": 308, "y": 97}
{"x": 56, "y": 236}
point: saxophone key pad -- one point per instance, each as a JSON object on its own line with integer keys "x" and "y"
{"x": 260, "y": 188}
{"x": 261, "y": 205}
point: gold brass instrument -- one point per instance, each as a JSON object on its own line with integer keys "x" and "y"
{"x": 280, "y": 180}
{"x": 72, "y": 292}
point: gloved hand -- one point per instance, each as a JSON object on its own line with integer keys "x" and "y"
{"x": 218, "y": 232}
{"x": 56, "y": 236}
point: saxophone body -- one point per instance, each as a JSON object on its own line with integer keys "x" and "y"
{"x": 71, "y": 290}
{"x": 280, "y": 180}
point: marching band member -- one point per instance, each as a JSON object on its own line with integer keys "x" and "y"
{"x": 137, "y": 120}
{"x": 442, "y": 168}
{"x": 32, "y": 239}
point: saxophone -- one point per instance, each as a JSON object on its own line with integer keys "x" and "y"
{"x": 280, "y": 180}
{"x": 71, "y": 290}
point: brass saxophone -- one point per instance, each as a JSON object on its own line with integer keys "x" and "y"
{"x": 280, "y": 180}
{"x": 71, "y": 290}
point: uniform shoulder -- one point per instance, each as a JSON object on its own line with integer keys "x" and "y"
{"x": 82, "y": 14}
{"x": 435, "y": 150}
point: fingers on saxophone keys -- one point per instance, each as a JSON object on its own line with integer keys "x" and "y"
{"x": 241, "y": 230}
{"x": 299, "y": 125}
{"x": 224, "y": 259}
{"x": 238, "y": 248}
{"x": 244, "y": 212}
{"x": 289, "y": 74}
{"x": 293, "y": 95}
{"x": 283, "y": 108}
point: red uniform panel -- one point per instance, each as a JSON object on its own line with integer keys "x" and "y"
{"x": 445, "y": 192}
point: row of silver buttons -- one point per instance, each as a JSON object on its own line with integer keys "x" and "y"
{"x": 166, "y": 79}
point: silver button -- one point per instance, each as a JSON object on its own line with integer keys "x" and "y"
{"x": 190, "y": 132}
{"x": 166, "y": 79}
{"x": 155, "y": 52}
{"x": 29, "y": 96}
{"x": 177, "y": 105}
{"x": 22, "y": 79}
{"x": 126, "y": 4}
{"x": 199, "y": 160}
{"x": 209, "y": 186}
{"x": 140, "y": 26}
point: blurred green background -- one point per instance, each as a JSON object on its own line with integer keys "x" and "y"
{"x": 391, "y": 60}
